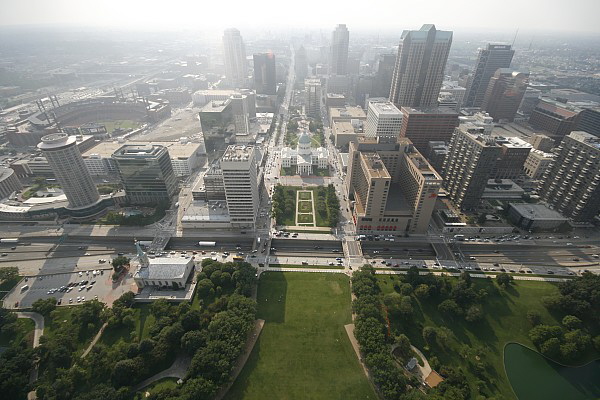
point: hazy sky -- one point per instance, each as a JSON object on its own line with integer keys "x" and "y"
{"x": 381, "y": 15}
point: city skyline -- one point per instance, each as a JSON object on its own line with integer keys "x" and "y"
{"x": 149, "y": 15}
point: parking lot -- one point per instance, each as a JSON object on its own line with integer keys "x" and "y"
{"x": 69, "y": 288}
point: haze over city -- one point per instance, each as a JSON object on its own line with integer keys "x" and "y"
{"x": 299, "y": 200}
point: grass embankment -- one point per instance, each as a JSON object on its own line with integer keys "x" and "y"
{"x": 303, "y": 351}
{"x": 504, "y": 320}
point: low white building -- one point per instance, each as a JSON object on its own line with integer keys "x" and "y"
{"x": 167, "y": 272}
{"x": 304, "y": 157}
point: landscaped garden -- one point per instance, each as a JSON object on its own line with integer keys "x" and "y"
{"x": 462, "y": 325}
{"x": 303, "y": 351}
{"x": 326, "y": 205}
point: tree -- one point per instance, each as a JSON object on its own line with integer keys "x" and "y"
{"x": 8, "y": 273}
{"x": 125, "y": 371}
{"x": 429, "y": 335}
{"x": 192, "y": 341}
{"x": 449, "y": 307}
{"x": 422, "y": 291}
{"x": 534, "y": 317}
{"x": 541, "y": 333}
{"x": 119, "y": 262}
{"x": 198, "y": 388}
{"x": 44, "y": 306}
{"x": 504, "y": 280}
{"x": 571, "y": 322}
{"x": 466, "y": 278}
{"x": 551, "y": 347}
{"x": 406, "y": 307}
{"x": 403, "y": 345}
{"x": 474, "y": 313}
{"x": 205, "y": 288}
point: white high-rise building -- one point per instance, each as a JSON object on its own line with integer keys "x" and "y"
{"x": 239, "y": 169}
{"x": 64, "y": 158}
{"x": 236, "y": 67}
{"x": 384, "y": 121}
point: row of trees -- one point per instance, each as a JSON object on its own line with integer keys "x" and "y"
{"x": 212, "y": 336}
{"x": 371, "y": 335}
{"x": 327, "y": 205}
{"x": 284, "y": 203}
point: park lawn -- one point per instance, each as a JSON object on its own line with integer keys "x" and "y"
{"x": 303, "y": 351}
{"x": 143, "y": 322}
{"x": 304, "y": 195}
{"x": 25, "y": 327}
{"x": 305, "y": 206}
{"x": 288, "y": 171}
{"x": 505, "y": 320}
{"x": 305, "y": 218}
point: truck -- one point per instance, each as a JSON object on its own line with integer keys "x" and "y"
{"x": 9, "y": 240}
{"x": 238, "y": 258}
{"x": 207, "y": 244}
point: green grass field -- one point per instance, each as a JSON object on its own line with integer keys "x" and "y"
{"x": 304, "y": 196}
{"x": 305, "y": 218}
{"x": 303, "y": 351}
{"x": 504, "y": 321}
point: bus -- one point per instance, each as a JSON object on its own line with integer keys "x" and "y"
{"x": 206, "y": 244}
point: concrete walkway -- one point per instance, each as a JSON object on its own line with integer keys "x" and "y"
{"x": 96, "y": 338}
{"x": 424, "y": 371}
{"x": 38, "y": 319}
{"x": 177, "y": 370}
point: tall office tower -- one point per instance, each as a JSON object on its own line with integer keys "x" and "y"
{"x": 265, "y": 79}
{"x": 238, "y": 166}
{"x": 384, "y": 121}
{"x": 69, "y": 169}
{"x": 146, "y": 173}
{"x": 422, "y": 125}
{"x": 385, "y": 71}
{"x": 571, "y": 185}
{"x": 393, "y": 187}
{"x": 504, "y": 94}
{"x": 338, "y": 51}
{"x": 313, "y": 97}
{"x": 491, "y": 58}
{"x": 236, "y": 68}
{"x": 470, "y": 161}
{"x": 240, "y": 114}
{"x": 420, "y": 65}
{"x": 589, "y": 119}
{"x": 301, "y": 64}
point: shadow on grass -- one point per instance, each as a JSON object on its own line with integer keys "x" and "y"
{"x": 240, "y": 387}
{"x": 272, "y": 292}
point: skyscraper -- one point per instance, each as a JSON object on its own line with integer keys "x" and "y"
{"x": 393, "y": 186}
{"x": 313, "y": 97}
{"x": 504, "y": 94}
{"x": 385, "y": 71}
{"x": 301, "y": 64}
{"x": 491, "y": 58}
{"x": 146, "y": 173}
{"x": 420, "y": 65}
{"x": 236, "y": 69}
{"x": 265, "y": 80}
{"x": 69, "y": 169}
{"x": 571, "y": 185}
{"x": 384, "y": 121}
{"x": 338, "y": 51}
{"x": 470, "y": 162}
{"x": 422, "y": 125}
{"x": 238, "y": 166}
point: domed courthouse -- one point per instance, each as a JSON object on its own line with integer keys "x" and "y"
{"x": 304, "y": 157}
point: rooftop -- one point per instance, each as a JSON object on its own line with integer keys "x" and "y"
{"x": 138, "y": 151}
{"x": 215, "y": 106}
{"x": 238, "y": 153}
{"x": 386, "y": 108}
{"x": 536, "y": 211}
{"x": 348, "y": 112}
{"x": 429, "y": 111}
{"x": 177, "y": 150}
